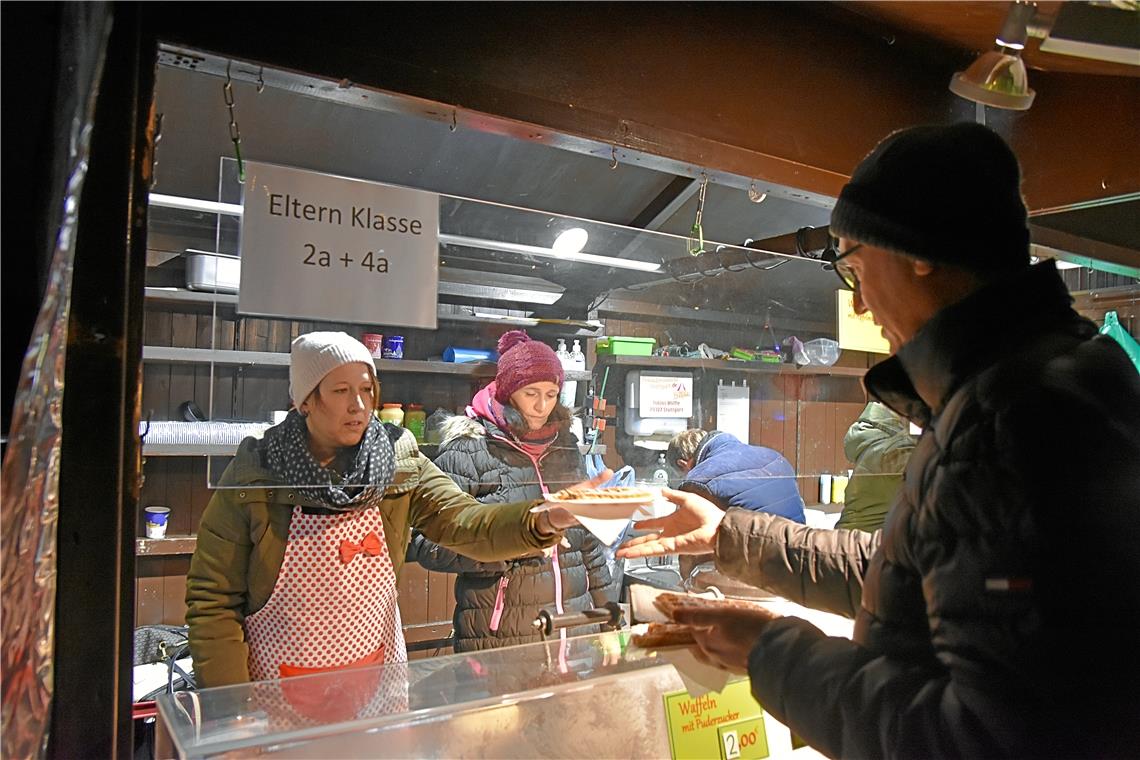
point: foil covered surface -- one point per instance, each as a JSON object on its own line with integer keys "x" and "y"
{"x": 30, "y": 506}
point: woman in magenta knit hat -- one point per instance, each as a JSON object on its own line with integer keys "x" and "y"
{"x": 515, "y": 443}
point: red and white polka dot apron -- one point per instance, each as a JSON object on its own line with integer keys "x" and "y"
{"x": 333, "y": 608}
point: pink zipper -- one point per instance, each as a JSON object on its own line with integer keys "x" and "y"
{"x": 500, "y": 602}
{"x": 497, "y": 614}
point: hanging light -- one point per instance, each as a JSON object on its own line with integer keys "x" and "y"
{"x": 998, "y": 77}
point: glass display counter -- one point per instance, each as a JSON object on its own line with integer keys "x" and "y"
{"x": 590, "y": 696}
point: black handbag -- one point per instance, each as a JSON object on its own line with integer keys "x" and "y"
{"x": 168, "y": 644}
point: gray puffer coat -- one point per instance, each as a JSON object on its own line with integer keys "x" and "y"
{"x": 1000, "y": 611}
{"x": 482, "y": 461}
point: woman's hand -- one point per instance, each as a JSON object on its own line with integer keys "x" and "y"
{"x": 689, "y": 530}
{"x": 558, "y": 518}
{"x": 725, "y": 637}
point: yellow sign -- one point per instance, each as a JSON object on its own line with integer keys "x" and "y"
{"x": 858, "y": 332}
{"x": 728, "y": 725}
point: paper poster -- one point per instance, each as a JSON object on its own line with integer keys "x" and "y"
{"x": 732, "y": 410}
{"x": 665, "y": 395}
{"x": 321, "y": 247}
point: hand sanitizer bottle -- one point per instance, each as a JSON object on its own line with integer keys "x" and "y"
{"x": 661, "y": 473}
{"x": 569, "y": 361}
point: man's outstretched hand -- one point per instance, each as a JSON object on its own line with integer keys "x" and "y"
{"x": 689, "y": 530}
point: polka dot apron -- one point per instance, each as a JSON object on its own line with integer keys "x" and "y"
{"x": 333, "y": 608}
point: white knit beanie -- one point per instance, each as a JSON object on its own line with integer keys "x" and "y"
{"x": 316, "y": 354}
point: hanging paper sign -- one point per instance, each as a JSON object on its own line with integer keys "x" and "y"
{"x": 665, "y": 395}
{"x": 321, "y": 247}
{"x": 858, "y": 332}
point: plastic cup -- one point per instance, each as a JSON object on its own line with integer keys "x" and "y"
{"x": 394, "y": 347}
{"x": 374, "y": 342}
{"x": 156, "y": 520}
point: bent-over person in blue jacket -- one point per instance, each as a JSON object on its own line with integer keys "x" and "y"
{"x": 731, "y": 473}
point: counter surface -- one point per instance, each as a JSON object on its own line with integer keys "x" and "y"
{"x": 585, "y": 696}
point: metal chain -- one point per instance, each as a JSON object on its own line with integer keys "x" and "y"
{"x": 697, "y": 232}
{"x": 235, "y": 133}
{"x": 154, "y": 151}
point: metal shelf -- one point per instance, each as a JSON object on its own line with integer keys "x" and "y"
{"x": 229, "y": 301}
{"x": 175, "y": 355}
{"x": 721, "y": 365}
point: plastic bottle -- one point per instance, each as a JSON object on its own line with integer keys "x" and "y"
{"x": 393, "y": 413}
{"x": 825, "y": 488}
{"x": 577, "y": 363}
{"x": 569, "y": 388}
{"x": 661, "y": 472}
{"x": 415, "y": 419}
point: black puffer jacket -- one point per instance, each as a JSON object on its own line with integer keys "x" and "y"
{"x": 477, "y": 456}
{"x": 1000, "y": 615}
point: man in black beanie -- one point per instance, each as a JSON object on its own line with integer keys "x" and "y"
{"x": 1000, "y": 606}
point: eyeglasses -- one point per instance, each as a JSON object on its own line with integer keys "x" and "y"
{"x": 844, "y": 271}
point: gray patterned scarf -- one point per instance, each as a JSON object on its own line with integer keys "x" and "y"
{"x": 288, "y": 457}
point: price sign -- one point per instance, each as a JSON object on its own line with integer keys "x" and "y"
{"x": 321, "y": 247}
{"x": 728, "y": 725}
{"x": 745, "y": 740}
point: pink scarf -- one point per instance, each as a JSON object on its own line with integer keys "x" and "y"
{"x": 533, "y": 442}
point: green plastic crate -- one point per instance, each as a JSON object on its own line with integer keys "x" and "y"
{"x": 615, "y": 346}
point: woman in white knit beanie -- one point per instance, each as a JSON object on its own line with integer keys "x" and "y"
{"x": 297, "y": 554}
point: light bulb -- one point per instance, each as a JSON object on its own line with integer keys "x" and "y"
{"x": 572, "y": 240}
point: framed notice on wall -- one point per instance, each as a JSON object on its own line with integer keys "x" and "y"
{"x": 858, "y": 332}
{"x": 665, "y": 395}
{"x": 322, "y": 247}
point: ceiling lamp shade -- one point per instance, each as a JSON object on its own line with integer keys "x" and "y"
{"x": 998, "y": 77}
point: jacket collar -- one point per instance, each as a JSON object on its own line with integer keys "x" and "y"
{"x": 966, "y": 337}
{"x": 707, "y": 445}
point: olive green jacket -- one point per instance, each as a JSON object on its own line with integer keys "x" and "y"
{"x": 242, "y": 536}
{"x": 879, "y": 445}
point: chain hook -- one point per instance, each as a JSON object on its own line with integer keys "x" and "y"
{"x": 260, "y": 80}
{"x": 235, "y": 132}
{"x": 755, "y": 195}
{"x": 454, "y": 121}
{"x": 154, "y": 151}
{"x": 697, "y": 231}
{"x": 613, "y": 157}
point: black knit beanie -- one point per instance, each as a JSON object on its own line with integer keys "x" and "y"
{"x": 948, "y": 194}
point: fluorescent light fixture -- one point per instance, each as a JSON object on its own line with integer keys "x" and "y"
{"x": 570, "y": 241}
{"x": 1096, "y": 30}
{"x": 498, "y": 287}
{"x": 194, "y": 204}
{"x": 534, "y": 250}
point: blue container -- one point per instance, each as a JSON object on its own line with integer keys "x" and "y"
{"x": 459, "y": 355}
{"x": 394, "y": 347}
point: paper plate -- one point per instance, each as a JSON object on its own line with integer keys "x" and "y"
{"x": 603, "y": 509}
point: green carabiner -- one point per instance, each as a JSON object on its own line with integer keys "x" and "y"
{"x": 696, "y": 235}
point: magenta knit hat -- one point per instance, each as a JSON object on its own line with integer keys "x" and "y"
{"x": 523, "y": 361}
